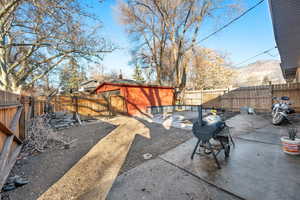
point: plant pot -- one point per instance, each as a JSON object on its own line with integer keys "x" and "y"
{"x": 291, "y": 147}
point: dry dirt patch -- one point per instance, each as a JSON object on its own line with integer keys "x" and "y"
{"x": 44, "y": 169}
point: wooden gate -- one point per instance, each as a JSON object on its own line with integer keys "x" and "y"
{"x": 118, "y": 104}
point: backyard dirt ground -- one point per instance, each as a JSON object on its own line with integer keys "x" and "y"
{"x": 44, "y": 169}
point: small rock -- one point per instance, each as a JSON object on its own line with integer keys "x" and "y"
{"x": 147, "y": 156}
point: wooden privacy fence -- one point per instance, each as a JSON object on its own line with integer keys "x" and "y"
{"x": 93, "y": 105}
{"x": 198, "y": 97}
{"x": 13, "y": 110}
{"x": 16, "y": 110}
{"x": 258, "y": 97}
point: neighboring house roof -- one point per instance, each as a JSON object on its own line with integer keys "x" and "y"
{"x": 286, "y": 19}
{"x": 132, "y": 84}
{"x": 88, "y": 86}
{"x": 89, "y": 83}
{"x": 126, "y": 81}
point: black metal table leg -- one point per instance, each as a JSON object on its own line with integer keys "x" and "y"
{"x": 195, "y": 149}
{"x": 215, "y": 156}
{"x": 231, "y": 139}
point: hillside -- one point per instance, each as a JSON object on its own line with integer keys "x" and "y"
{"x": 260, "y": 72}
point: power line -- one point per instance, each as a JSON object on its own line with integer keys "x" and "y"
{"x": 232, "y": 21}
{"x": 261, "y": 53}
{"x": 274, "y": 56}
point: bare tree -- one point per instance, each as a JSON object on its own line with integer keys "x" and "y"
{"x": 209, "y": 70}
{"x": 38, "y": 35}
{"x": 165, "y": 30}
{"x": 138, "y": 74}
{"x": 98, "y": 73}
{"x": 71, "y": 76}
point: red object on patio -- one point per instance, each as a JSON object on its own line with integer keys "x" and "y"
{"x": 137, "y": 96}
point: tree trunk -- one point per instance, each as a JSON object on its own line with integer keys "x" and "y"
{"x": 9, "y": 84}
{"x": 158, "y": 75}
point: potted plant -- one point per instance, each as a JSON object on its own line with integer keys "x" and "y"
{"x": 291, "y": 144}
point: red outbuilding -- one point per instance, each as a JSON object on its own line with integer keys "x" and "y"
{"x": 138, "y": 97}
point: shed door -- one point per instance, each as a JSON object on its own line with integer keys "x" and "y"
{"x": 117, "y": 103}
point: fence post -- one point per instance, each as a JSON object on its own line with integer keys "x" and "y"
{"x": 32, "y": 106}
{"x": 75, "y": 106}
{"x": 200, "y": 115}
{"x": 221, "y": 99}
{"x": 22, "y": 124}
{"x": 76, "y": 103}
{"x": 201, "y": 101}
{"x": 55, "y": 104}
{"x": 271, "y": 94}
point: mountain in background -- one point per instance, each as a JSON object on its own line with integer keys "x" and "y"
{"x": 259, "y": 73}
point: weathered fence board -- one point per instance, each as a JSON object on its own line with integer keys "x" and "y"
{"x": 89, "y": 105}
{"x": 290, "y": 90}
{"x": 258, "y": 97}
{"x": 8, "y": 98}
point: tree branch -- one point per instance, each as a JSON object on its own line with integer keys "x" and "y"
{"x": 8, "y": 7}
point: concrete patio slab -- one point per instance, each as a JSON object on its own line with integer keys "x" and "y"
{"x": 257, "y": 128}
{"x": 243, "y": 124}
{"x": 270, "y": 134}
{"x": 159, "y": 180}
{"x": 253, "y": 171}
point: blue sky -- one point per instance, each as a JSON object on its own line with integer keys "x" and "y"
{"x": 247, "y": 37}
